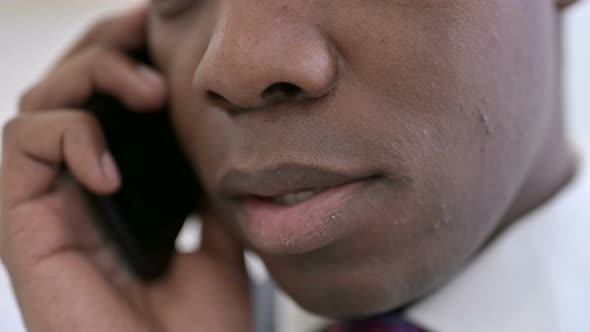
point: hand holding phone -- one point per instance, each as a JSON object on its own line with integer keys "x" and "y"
{"x": 159, "y": 188}
{"x": 62, "y": 273}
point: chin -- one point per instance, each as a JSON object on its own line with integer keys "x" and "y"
{"x": 349, "y": 286}
{"x": 351, "y": 303}
{"x": 349, "y": 296}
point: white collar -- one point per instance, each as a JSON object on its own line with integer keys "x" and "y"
{"x": 535, "y": 277}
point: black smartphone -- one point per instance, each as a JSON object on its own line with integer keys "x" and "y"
{"x": 159, "y": 188}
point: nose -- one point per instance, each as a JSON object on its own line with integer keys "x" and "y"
{"x": 256, "y": 62}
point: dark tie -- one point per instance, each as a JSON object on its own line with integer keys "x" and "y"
{"x": 384, "y": 323}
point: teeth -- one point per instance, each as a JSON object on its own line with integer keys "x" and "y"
{"x": 294, "y": 198}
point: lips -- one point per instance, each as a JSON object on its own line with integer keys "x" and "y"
{"x": 293, "y": 208}
{"x": 284, "y": 179}
{"x": 297, "y": 197}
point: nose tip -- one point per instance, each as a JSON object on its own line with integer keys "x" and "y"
{"x": 280, "y": 66}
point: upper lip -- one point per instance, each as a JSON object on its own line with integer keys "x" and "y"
{"x": 282, "y": 179}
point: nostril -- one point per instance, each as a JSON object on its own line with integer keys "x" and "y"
{"x": 275, "y": 93}
{"x": 281, "y": 89}
{"x": 216, "y": 96}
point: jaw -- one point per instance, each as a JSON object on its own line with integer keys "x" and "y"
{"x": 552, "y": 168}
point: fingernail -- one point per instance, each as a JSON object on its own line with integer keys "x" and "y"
{"x": 150, "y": 76}
{"x": 109, "y": 168}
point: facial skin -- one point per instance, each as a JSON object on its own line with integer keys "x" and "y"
{"x": 451, "y": 107}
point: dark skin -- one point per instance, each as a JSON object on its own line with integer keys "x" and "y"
{"x": 447, "y": 112}
{"x": 452, "y": 107}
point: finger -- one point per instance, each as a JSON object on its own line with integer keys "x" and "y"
{"x": 36, "y": 145}
{"x": 95, "y": 69}
{"x": 125, "y": 31}
{"x": 63, "y": 290}
{"x": 59, "y": 221}
{"x": 220, "y": 242}
{"x": 49, "y": 249}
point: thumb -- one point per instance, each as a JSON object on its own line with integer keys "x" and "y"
{"x": 220, "y": 242}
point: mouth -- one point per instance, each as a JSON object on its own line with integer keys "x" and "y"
{"x": 294, "y": 209}
{"x": 297, "y": 197}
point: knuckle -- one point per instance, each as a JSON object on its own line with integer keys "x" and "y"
{"x": 10, "y": 130}
{"x": 86, "y": 121}
{"x": 75, "y": 135}
{"x": 28, "y": 99}
{"x": 99, "y": 57}
{"x": 98, "y": 29}
{"x": 96, "y": 52}
{"x": 84, "y": 127}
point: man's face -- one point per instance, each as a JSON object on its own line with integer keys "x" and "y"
{"x": 418, "y": 119}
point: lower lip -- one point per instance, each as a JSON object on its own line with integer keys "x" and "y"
{"x": 273, "y": 228}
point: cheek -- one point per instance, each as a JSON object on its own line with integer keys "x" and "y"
{"x": 470, "y": 83}
{"x": 208, "y": 138}
{"x": 498, "y": 101}
{"x": 460, "y": 101}
{"x": 206, "y": 135}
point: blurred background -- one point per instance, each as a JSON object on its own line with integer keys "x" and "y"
{"x": 32, "y": 34}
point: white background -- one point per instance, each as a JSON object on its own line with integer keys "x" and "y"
{"x": 33, "y": 32}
